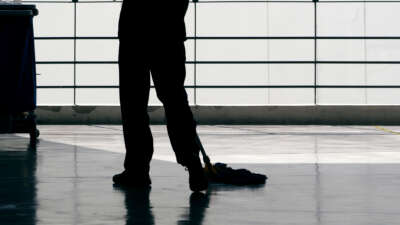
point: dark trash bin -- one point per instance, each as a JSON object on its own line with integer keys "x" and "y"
{"x": 17, "y": 70}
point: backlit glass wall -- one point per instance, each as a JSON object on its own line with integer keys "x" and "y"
{"x": 238, "y": 53}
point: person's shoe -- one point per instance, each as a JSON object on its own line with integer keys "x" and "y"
{"x": 132, "y": 180}
{"x": 197, "y": 179}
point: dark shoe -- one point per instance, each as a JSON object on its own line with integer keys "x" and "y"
{"x": 132, "y": 180}
{"x": 197, "y": 178}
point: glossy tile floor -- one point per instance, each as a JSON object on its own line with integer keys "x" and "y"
{"x": 317, "y": 175}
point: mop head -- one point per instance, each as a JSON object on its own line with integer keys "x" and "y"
{"x": 221, "y": 173}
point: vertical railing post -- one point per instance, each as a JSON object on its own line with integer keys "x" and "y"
{"x": 315, "y": 51}
{"x": 75, "y": 23}
{"x": 195, "y": 53}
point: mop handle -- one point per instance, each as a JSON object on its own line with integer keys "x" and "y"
{"x": 206, "y": 159}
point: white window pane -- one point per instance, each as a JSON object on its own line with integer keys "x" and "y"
{"x": 56, "y": 96}
{"x": 341, "y": 96}
{"x": 291, "y": 50}
{"x": 55, "y": 75}
{"x": 232, "y": 19}
{"x": 341, "y": 74}
{"x": 232, "y": 74}
{"x": 103, "y": 75}
{"x": 290, "y": 19}
{"x": 291, "y": 96}
{"x": 189, "y": 45}
{"x": 189, "y": 74}
{"x": 382, "y": 19}
{"x": 383, "y": 74}
{"x": 97, "y": 50}
{"x": 54, "y": 50}
{"x": 189, "y": 21}
{"x": 383, "y": 50}
{"x": 54, "y": 20}
{"x": 238, "y": 96}
{"x": 153, "y": 100}
{"x": 383, "y": 96}
{"x": 92, "y": 96}
{"x": 336, "y": 19}
{"x": 291, "y": 74}
{"x": 98, "y": 19}
{"x": 226, "y": 50}
{"x": 341, "y": 50}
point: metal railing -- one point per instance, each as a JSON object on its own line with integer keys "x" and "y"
{"x": 196, "y": 37}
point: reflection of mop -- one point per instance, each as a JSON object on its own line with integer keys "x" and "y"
{"x": 221, "y": 173}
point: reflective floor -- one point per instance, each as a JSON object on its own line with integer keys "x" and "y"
{"x": 317, "y": 175}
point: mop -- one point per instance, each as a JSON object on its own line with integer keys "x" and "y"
{"x": 221, "y": 173}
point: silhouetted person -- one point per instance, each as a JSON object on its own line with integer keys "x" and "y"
{"x": 152, "y": 36}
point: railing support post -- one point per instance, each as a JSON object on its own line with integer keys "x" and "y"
{"x": 195, "y": 54}
{"x": 315, "y": 52}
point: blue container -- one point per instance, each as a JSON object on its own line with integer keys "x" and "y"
{"x": 17, "y": 58}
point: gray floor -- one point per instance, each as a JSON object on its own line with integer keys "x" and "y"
{"x": 317, "y": 175}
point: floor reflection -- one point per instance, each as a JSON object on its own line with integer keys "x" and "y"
{"x": 138, "y": 206}
{"x": 18, "y": 185}
{"x": 200, "y": 202}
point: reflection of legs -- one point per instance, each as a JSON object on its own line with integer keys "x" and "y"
{"x": 199, "y": 203}
{"x": 134, "y": 96}
{"x": 138, "y": 207}
{"x": 168, "y": 71}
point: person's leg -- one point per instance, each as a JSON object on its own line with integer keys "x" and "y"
{"x": 134, "y": 96}
{"x": 168, "y": 72}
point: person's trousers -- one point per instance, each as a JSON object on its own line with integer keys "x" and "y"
{"x": 165, "y": 62}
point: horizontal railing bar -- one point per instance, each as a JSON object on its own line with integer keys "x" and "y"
{"x": 296, "y": 37}
{"x": 298, "y": 62}
{"x": 231, "y": 62}
{"x": 230, "y": 86}
{"x": 76, "y": 38}
{"x": 230, "y": 1}
{"x": 328, "y": 1}
{"x": 235, "y": 38}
